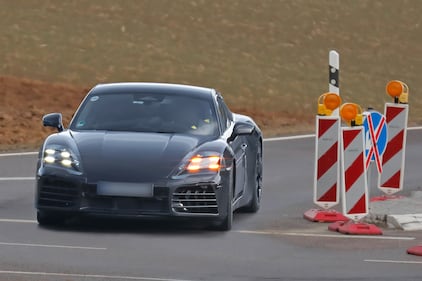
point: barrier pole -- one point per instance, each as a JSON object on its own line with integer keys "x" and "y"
{"x": 334, "y": 75}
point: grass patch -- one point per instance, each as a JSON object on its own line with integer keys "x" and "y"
{"x": 268, "y": 58}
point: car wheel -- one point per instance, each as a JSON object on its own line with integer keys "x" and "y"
{"x": 255, "y": 203}
{"x": 226, "y": 223}
{"x": 46, "y": 218}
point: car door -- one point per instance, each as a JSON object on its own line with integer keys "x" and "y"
{"x": 238, "y": 145}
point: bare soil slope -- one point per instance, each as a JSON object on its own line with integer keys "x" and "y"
{"x": 24, "y": 102}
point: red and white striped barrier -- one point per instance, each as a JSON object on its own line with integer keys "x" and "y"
{"x": 354, "y": 182}
{"x": 391, "y": 178}
{"x": 327, "y": 168}
{"x": 327, "y": 165}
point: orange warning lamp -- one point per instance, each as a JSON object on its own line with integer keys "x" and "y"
{"x": 351, "y": 113}
{"x": 398, "y": 91}
{"x": 327, "y": 103}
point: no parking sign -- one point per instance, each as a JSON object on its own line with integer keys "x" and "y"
{"x": 375, "y": 138}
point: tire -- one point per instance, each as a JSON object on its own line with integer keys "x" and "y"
{"x": 255, "y": 202}
{"x": 48, "y": 218}
{"x": 226, "y": 223}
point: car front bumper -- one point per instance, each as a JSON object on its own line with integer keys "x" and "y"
{"x": 198, "y": 197}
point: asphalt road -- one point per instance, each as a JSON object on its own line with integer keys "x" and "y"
{"x": 274, "y": 244}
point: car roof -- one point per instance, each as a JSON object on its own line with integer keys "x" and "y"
{"x": 159, "y": 88}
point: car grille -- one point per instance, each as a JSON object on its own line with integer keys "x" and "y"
{"x": 58, "y": 193}
{"x": 198, "y": 199}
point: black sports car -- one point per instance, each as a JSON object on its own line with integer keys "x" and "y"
{"x": 150, "y": 149}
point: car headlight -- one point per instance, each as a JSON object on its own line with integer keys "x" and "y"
{"x": 201, "y": 163}
{"x": 198, "y": 163}
{"x": 62, "y": 157}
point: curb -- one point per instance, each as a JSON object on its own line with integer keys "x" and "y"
{"x": 403, "y": 213}
{"x": 408, "y": 222}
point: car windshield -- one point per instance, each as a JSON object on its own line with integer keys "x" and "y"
{"x": 158, "y": 113}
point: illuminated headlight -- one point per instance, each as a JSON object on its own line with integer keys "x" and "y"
{"x": 201, "y": 163}
{"x": 61, "y": 157}
{"x": 198, "y": 163}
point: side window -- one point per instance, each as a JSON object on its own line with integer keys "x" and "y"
{"x": 225, "y": 114}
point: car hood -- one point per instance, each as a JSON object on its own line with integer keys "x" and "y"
{"x": 132, "y": 157}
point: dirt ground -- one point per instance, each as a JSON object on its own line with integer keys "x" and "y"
{"x": 25, "y": 101}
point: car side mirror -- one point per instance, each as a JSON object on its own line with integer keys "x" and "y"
{"x": 53, "y": 120}
{"x": 242, "y": 129}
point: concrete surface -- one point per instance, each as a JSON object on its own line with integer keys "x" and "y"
{"x": 401, "y": 212}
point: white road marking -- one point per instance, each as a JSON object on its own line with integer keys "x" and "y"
{"x": 18, "y": 154}
{"x": 393, "y": 261}
{"x": 18, "y": 221}
{"x": 289, "y": 138}
{"x": 279, "y": 233}
{"x": 17, "y": 178}
{"x": 312, "y": 135}
{"x": 97, "y": 276}
{"x": 414, "y": 128}
{"x": 50, "y": 246}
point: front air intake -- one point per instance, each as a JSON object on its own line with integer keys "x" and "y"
{"x": 199, "y": 199}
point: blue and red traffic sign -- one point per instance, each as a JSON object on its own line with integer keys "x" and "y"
{"x": 375, "y": 137}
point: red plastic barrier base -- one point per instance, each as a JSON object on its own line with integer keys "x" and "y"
{"x": 417, "y": 251}
{"x": 317, "y": 215}
{"x": 355, "y": 228}
{"x": 335, "y": 225}
{"x": 385, "y": 198}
